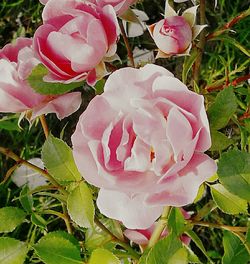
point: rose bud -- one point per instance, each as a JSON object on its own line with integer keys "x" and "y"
{"x": 174, "y": 34}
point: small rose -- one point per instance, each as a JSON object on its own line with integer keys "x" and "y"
{"x": 142, "y": 143}
{"x": 75, "y": 39}
{"x": 16, "y": 63}
{"x": 173, "y": 35}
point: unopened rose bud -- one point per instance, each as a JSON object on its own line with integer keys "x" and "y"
{"x": 172, "y": 35}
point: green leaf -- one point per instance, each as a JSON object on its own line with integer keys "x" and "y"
{"x": 99, "y": 86}
{"x": 103, "y": 256}
{"x": 12, "y": 251}
{"x": 228, "y": 202}
{"x": 58, "y": 159}
{"x": 40, "y": 86}
{"x": 55, "y": 248}
{"x": 234, "y": 172}
{"x": 234, "y": 250}
{"x": 26, "y": 199}
{"x": 176, "y": 221}
{"x": 192, "y": 258}
{"x": 164, "y": 250}
{"x": 180, "y": 257}
{"x": 219, "y": 141}
{"x": 198, "y": 243}
{"x": 9, "y": 125}
{"x": 38, "y": 220}
{"x": 222, "y": 109}
{"x": 188, "y": 63}
{"x": 80, "y": 206}
{"x": 130, "y": 16}
{"x": 10, "y": 218}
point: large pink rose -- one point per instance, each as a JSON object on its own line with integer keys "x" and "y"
{"x": 142, "y": 142}
{"x": 16, "y": 63}
{"x": 120, "y": 6}
{"x": 75, "y": 39}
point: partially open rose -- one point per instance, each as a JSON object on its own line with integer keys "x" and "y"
{"x": 16, "y": 63}
{"x": 173, "y": 34}
{"x": 142, "y": 143}
{"x": 75, "y": 40}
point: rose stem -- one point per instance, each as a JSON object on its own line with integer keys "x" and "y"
{"x": 120, "y": 242}
{"x": 235, "y": 82}
{"x": 44, "y": 173}
{"x": 201, "y": 44}
{"x": 220, "y": 226}
{"x": 129, "y": 51}
{"x": 44, "y": 125}
{"x": 161, "y": 224}
{"x": 229, "y": 24}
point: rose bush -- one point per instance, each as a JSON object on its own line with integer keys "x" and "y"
{"x": 16, "y": 63}
{"x": 75, "y": 39}
{"x": 142, "y": 142}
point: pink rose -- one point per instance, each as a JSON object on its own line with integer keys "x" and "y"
{"x": 172, "y": 35}
{"x": 142, "y": 142}
{"x": 75, "y": 40}
{"x": 16, "y": 63}
{"x": 120, "y": 6}
{"x": 142, "y": 236}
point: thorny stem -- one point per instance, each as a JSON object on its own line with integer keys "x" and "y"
{"x": 235, "y": 82}
{"x": 161, "y": 224}
{"x": 202, "y": 43}
{"x": 120, "y": 242}
{"x": 228, "y": 25}
{"x": 219, "y": 226}
{"x": 44, "y": 125}
{"x": 129, "y": 51}
{"x": 12, "y": 155}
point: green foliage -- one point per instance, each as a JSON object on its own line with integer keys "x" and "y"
{"x": 57, "y": 248}
{"x": 167, "y": 250}
{"x": 58, "y": 159}
{"x": 228, "y": 202}
{"x": 222, "y": 109}
{"x": 80, "y": 205}
{"x": 12, "y": 251}
{"x": 36, "y": 82}
{"x": 234, "y": 250}
{"x": 10, "y": 218}
{"x": 219, "y": 141}
{"x": 103, "y": 256}
{"x": 26, "y": 199}
{"x": 234, "y": 172}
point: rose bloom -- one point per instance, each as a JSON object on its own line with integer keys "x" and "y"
{"x": 142, "y": 142}
{"x": 120, "y": 6}
{"x": 75, "y": 39}
{"x": 16, "y": 63}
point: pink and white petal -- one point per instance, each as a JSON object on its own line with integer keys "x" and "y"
{"x": 10, "y": 51}
{"x": 178, "y": 131}
{"x": 136, "y": 236}
{"x": 96, "y": 118}
{"x": 182, "y": 189}
{"x": 131, "y": 211}
{"x": 140, "y": 157}
{"x": 62, "y": 106}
